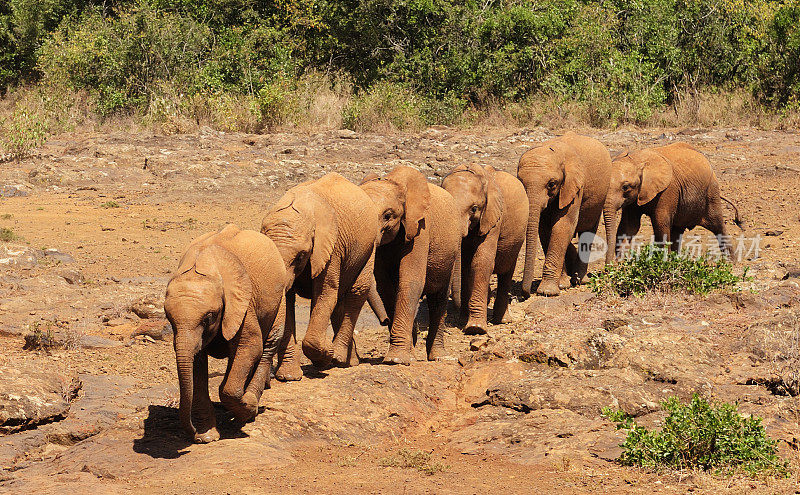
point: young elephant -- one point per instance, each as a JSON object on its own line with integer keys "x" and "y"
{"x": 493, "y": 212}
{"x": 418, "y": 243}
{"x": 566, "y": 180}
{"x": 325, "y": 231}
{"x": 225, "y": 300}
{"x": 674, "y": 186}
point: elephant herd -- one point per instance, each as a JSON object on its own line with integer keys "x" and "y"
{"x": 393, "y": 239}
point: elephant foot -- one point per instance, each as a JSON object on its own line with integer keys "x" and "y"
{"x": 565, "y": 282}
{"x": 504, "y": 318}
{"x": 320, "y": 358}
{"x": 343, "y": 358}
{"x": 437, "y": 353}
{"x": 289, "y": 371}
{"x": 548, "y": 288}
{"x": 398, "y": 355}
{"x": 474, "y": 327}
{"x": 212, "y": 435}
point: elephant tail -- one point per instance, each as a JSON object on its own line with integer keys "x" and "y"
{"x": 736, "y": 219}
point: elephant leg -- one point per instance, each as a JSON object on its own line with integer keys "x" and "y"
{"x": 676, "y": 234}
{"x": 248, "y": 349}
{"x": 288, "y": 353}
{"x": 324, "y": 298}
{"x": 413, "y": 266}
{"x": 629, "y": 225}
{"x": 480, "y": 271}
{"x": 204, "y": 418}
{"x": 434, "y": 342}
{"x": 714, "y": 221}
{"x": 501, "y": 300}
{"x": 560, "y": 237}
{"x": 570, "y": 267}
{"x": 273, "y": 339}
{"x": 662, "y": 229}
{"x": 462, "y": 270}
{"x": 585, "y": 246}
{"x": 346, "y": 315}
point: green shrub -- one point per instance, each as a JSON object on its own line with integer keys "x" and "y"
{"x": 658, "y": 269}
{"x": 700, "y": 435}
{"x": 109, "y": 204}
{"x": 8, "y": 235}
{"x": 384, "y": 106}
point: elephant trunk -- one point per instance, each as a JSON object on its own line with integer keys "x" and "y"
{"x": 531, "y": 244}
{"x": 376, "y": 303}
{"x": 185, "y": 356}
{"x": 611, "y": 223}
{"x": 455, "y": 283}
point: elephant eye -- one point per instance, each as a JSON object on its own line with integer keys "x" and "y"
{"x": 551, "y": 183}
{"x": 387, "y": 215}
{"x": 474, "y": 209}
{"x": 208, "y": 319}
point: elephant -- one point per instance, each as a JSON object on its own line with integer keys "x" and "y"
{"x": 493, "y": 211}
{"x": 326, "y": 232}
{"x": 566, "y": 180}
{"x": 225, "y": 300}
{"x": 418, "y": 244}
{"x": 675, "y": 186}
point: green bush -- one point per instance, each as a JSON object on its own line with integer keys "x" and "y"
{"x": 385, "y": 106}
{"x": 654, "y": 268}
{"x": 8, "y": 235}
{"x": 700, "y": 435}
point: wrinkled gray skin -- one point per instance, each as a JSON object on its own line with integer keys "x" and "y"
{"x": 225, "y": 300}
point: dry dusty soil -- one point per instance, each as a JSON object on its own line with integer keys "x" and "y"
{"x": 98, "y": 221}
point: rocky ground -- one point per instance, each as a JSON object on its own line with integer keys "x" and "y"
{"x": 97, "y": 222}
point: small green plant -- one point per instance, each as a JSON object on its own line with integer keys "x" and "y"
{"x": 412, "y": 458}
{"x": 6, "y": 216}
{"x": 658, "y": 269}
{"x": 41, "y": 337}
{"x": 700, "y": 435}
{"x": 109, "y": 204}
{"x": 8, "y": 235}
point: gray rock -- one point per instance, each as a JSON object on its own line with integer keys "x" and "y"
{"x": 18, "y": 256}
{"x": 57, "y": 255}
{"x": 149, "y": 307}
{"x": 73, "y": 277}
{"x": 13, "y": 190}
{"x": 29, "y": 397}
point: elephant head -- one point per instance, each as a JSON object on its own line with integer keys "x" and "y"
{"x": 208, "y": 296}
{"x": 477, "y": 196}
{"x": 553, "y": 177}
{"x": 479, "y": 204}
{"x": 403, "y": 198}
{"x": 303, "y": 226}
{"x": 638, "y": 177}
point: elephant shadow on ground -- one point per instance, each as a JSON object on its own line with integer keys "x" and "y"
{"x": 163, "y": 437}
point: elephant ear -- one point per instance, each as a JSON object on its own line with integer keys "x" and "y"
{"x": 418, "y": 198}
{"x": 574, "y": 178}
{"x": 315, "y": 209}
{"x": 494, "y": 203}
{"x": 217, "y": 262}
{"x": 656, "y": 175}
{"x": 369, "y": 177}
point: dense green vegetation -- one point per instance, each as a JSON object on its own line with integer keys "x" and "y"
{"x": 654, "y": 268}
{"x": 700, "y": 435}
{"x": 622, "y": 59}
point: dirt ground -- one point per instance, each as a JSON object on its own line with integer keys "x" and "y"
{"x": 98, "y": 221}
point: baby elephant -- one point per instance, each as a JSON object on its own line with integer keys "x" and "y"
{"x": 418, "y": 242}
{"x": 674, "y": 186}
{"x": 493, "y": 211}
{"x": 225, "y": 300}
